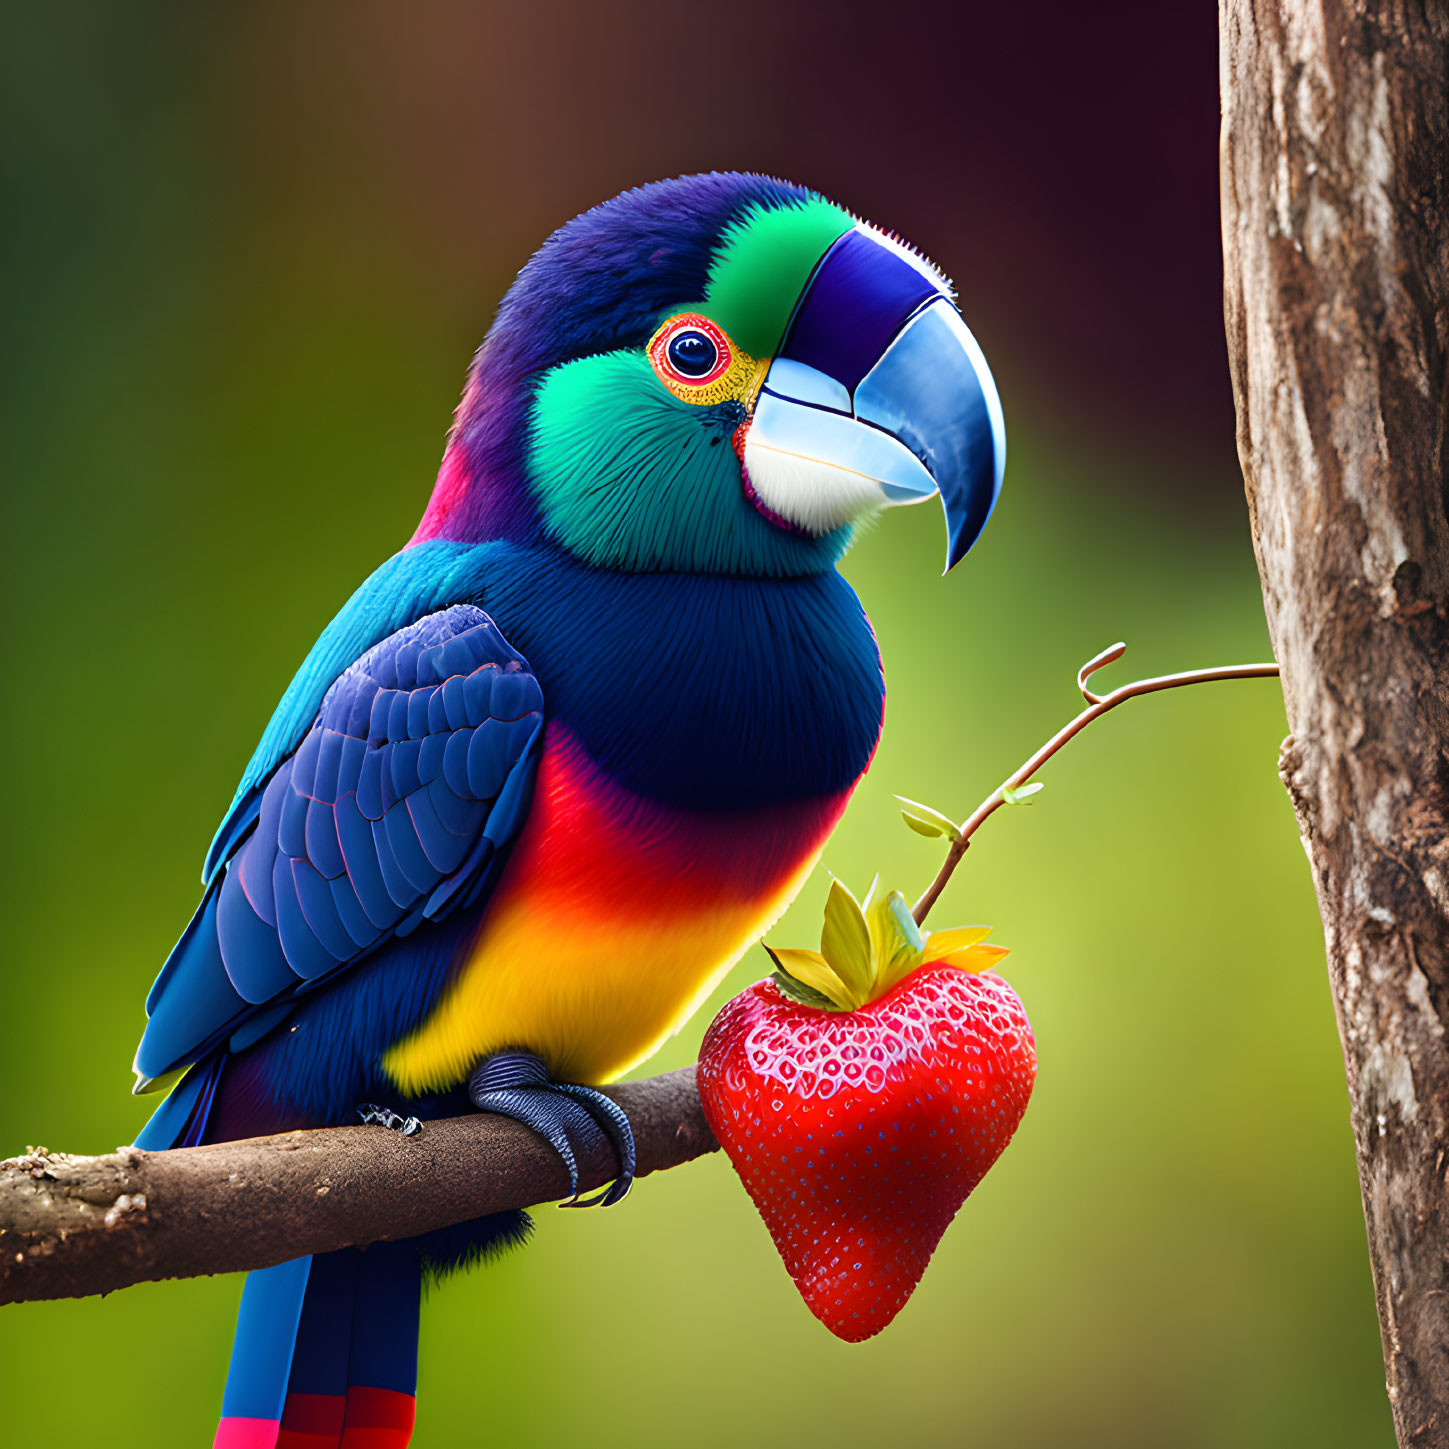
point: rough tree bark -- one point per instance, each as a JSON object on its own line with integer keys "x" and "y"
{"x": 70, "y": 1226}
{"x": 1335, "y": 144}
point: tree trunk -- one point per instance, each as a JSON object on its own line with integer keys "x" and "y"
{"x": 1335, "y": 144}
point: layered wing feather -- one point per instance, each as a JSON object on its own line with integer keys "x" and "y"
{"x": 393, "y": 810}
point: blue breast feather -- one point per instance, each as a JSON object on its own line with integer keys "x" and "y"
{"x": 394, "y": 810}
{"x": 700, "y": 691}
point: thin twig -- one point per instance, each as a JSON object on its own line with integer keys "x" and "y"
{"x": 1097, "y": 705}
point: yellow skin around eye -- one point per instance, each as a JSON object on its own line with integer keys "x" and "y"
{"x": 740, "y": 382}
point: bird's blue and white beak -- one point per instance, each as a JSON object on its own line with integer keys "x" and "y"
{"x": 878, "y": 395}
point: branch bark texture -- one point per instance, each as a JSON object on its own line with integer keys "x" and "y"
{"x": 72, "y": 1226}
{"x": 1335, "y": 145}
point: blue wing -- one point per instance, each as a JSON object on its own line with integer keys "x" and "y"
{"x": 416, "y": 772}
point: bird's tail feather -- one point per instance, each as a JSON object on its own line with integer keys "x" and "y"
{"x": 326, "y": 1352}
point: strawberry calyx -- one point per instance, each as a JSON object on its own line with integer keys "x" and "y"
{"x": 869, "y": 947}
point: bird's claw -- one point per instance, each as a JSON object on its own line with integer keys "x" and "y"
{"x": 570, "y": 1118}
{"x": 370, "y": 1113}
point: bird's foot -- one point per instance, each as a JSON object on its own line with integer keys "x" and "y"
{"x": 570, "y": 1118}
{"x": 370, "y": 1112}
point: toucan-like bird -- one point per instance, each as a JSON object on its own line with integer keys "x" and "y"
{"x": 563, "y": 757}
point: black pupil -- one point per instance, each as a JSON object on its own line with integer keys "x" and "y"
{"x": 692, "y": 353}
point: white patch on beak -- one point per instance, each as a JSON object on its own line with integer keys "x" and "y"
{"x": 819, "y": 468}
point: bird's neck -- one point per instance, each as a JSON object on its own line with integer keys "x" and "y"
{"x": 448, "y": 497}
{"x": 481, "y": 494}
{"x": 473, "y": 504}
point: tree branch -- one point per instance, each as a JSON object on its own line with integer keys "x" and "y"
{"x": 72, "y": 1226}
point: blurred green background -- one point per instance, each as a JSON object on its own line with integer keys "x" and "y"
{"x": 247, "y": 254}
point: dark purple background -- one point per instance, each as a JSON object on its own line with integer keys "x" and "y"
{"x": 1060, "y": 164}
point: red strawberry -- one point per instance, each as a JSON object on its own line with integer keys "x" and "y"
{"x": 861, "y": 1094}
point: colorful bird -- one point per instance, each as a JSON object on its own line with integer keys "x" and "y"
{"x": 559, "y": 761}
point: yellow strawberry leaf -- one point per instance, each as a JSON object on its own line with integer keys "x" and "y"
{"x": 905, "y": 944}
{"x": 887, "y": 938}
{"x": 884, "y": 937}
{"x": 975, "y": 959}
{"x": 942, "y": 943}
{"x": 814, "y": 971}
{"x": 799, "y": 992}
{"x": 845, "y": 940}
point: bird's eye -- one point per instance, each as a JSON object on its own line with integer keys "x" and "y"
{"x": 693, "y": 357}
{"x": 692, "y": 354}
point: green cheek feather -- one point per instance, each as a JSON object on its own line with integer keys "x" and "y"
{"x": 629, "y": 477}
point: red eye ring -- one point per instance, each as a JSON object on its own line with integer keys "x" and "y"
{"x": 689, "y": 322}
